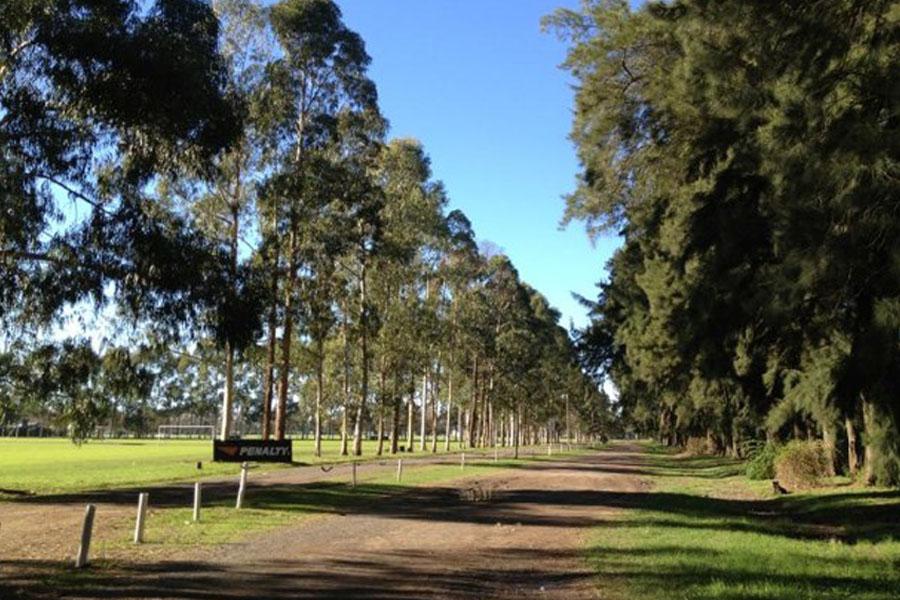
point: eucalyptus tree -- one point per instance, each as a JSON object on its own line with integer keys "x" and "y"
{"x": 408, "y": 216}
{"x": 223, "y": 202}
{"x": 460, "y": 269}
{"x": 97, "y": 99}
{"x": 322, "y": 72}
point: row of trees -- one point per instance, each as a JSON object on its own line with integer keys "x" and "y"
{"x": 747, "y": 153}
{"x": 220, "y": 177}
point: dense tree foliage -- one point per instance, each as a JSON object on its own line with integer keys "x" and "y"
{"x": 747, "y": 153}
{"x": 211, "y": 190}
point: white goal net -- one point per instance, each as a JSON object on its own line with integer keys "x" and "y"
{"x": 186, "y": 431}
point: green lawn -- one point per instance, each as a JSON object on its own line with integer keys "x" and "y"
{"x": 54, "y": 465}
{"x": 705, "y": 532}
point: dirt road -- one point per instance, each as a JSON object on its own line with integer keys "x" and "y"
{"x": 519, "y": 534}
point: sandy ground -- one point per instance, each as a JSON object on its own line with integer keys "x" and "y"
{"x": 46, "y": 528}
{"x": 518, "y": 534}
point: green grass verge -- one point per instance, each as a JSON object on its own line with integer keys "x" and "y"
{"x": 705, "y": 532}
{"x": 54, "y": 465}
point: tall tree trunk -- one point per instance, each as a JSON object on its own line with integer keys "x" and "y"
{"x": 435, "y": 397}
{"x": 395, "y": 417}
{"x": 284, "y": 371}
{"x": 424, "y": 410}
{"x": 449, "y": 408}
{"x": 829, "y": 442}
{"x": 228, "y": 396}
{"x": 410, "y": 422}
{"x": 483, "y": 417}
{"x": 491, "y": 430}
{"x": 381, "y": 403}
{"x": 871, "y": 452}
{"x": 269, "y": 375}
{"x": 364, "y": 384}
{"x": 473, "y": 410}
{"x": 344, "y": 433}
{"x": 516, "y": 428}
{"x": 320, "y": 389}
{"x": 347, "y": 399}
{"x": 852, "y": 452}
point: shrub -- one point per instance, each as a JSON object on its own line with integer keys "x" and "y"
{"x": 762, "y": 462}
{"x": 697, "y": 446}
{"x": 801, "y": 465}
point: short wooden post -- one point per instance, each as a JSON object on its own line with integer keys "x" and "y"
{"x": 399, "y": 470}
{"x": 143, "y": 500}
{"x": 462, "y": 461}
{"x": 496, "y": 455}
{"x": 87, "y": 529}
{"x": 353, "y": 480}
{"x": 197, "y": 493}
{"x": 242, "y": 486}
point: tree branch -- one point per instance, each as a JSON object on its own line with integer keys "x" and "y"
{"x": 73, "y": 192}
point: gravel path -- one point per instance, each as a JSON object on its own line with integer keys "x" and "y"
{"x": 518, "y": 534}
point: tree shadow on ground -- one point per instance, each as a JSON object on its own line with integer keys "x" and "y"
{"x": 401, "y": 574}
{"x": 389, "y": 575}
{"x": 849, "y": 517}
{"x": 703, "y": 574}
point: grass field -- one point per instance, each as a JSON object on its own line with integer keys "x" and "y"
{"x": 705, "y": 532}
{"x": 53, "y": 465}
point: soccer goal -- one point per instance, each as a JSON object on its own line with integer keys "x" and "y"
{"x": 186, "y": 431}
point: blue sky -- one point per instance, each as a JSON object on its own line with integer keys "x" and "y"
{"x": 478, "y": 82}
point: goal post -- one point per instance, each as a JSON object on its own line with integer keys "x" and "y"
{"x": 186, "y": 431}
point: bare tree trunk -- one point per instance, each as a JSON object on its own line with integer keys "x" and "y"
{"x": 410, "y": 422}
{"x": 381, "y": 393}
{"x": 284, "y": 371}
{"x": 852, "y": 452}
{"x": 473, "y": 410}
{"x": 346, "y": 404}
{"x": 228, "y": 396}
{"x": 364, "y": 344}
{"x": 269, "y": 375}
{"x": 516, "y": 431}
{"x": 357, "y": 430}
{"x": 344, "y": 433}
{"x": 449, "y": 409}
{"x": 830, "y": 444}
{"x": 435, "y": 397}
{"x": 320, "y": 389}
{"x": 871, "y": 452}
{"x": 483, "y": 417}
{"x": 395, "y": 418}
{"x": 424, "y": 410}
{"x": 460, "y": 432}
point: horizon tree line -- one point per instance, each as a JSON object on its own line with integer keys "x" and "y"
{"x": 214, "y": 183}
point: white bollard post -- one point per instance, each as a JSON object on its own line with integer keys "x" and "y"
{"x": 143, "y": 501}
{"x": 399, "y": 470}
{"x": 462, "y": 463}
{"x": 197, "y": 493}
{"x": 496, "y": 455}
{"x": 242, "y": 486}
{"x": 549, "y": 449}
{"x": 87, "y": 529}
{"x": 353, "y": 480}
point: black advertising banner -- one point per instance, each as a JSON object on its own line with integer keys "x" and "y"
{"x": 252, "y": 451}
